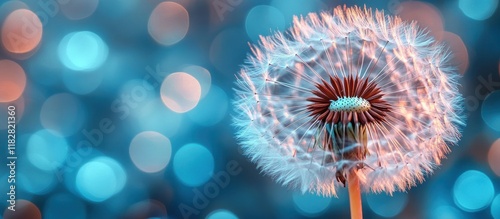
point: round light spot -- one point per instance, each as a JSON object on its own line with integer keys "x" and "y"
{"x": 386, "y": 205}
{"x": 78, "y": 9}
{"x": 221, "y": 214}
{"x": 62, "y": 114}
{"x": 490, "y": 112}
{"x": 168, "y": 23}
{"x": 473, "y": 191}
{"x": 494, "y": 157}
{"x": 180, "y": 92}
{"x": 460, "y": 56}
{"x": 24, "y": 209}
{"x": 310, "y": 205}
{"x": 82, "y": 82}
{"x": 12, "y": 81}
{"x": 478, "y": 9}
{"x": 193, "y": 164}
{"x": 202, "y": 75}
{"x": 495, "y": 207}
{"x": 100, "y": 178}
{"x": 263, "y": 20}
{"x": 82, "y": 51}
{"x": 446, "y": 212}
{"x": 211, "y": 109}
{"x": 21, "y": 31}
{"x": 426, "y": 15}
{"x": 46, "y": 150}
{"x": 150, "y": 151}
{"x": 73, "y": 208}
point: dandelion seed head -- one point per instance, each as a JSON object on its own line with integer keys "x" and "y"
{"x": 349, "y": 104}
{"x": 348, "y": 89}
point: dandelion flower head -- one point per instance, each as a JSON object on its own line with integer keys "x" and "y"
{"x": 352, "y": 89}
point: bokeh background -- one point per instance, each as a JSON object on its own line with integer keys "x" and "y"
{"x": 123, "y": 110}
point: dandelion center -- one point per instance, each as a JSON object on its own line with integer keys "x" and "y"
{"x": 348, "y": 100}
{"x": 345, "y": 106}
{"x": 350, "y": 104}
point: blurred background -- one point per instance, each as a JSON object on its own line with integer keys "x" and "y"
{"x": 123, "y": 111}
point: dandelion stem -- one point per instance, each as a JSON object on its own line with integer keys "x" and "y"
{"x": 354, "y": 195}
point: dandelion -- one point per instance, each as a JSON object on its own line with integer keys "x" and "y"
{"x": 355, "y": 98}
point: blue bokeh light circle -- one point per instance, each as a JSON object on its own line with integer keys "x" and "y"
{"x": 473, "y": 191}
{"x": 82, "y": 51}
{"x": 446, "y": 211}
{"x": 495, "y": 207}
{"x": 46, "y": 150}
{"x": 386, "y": 205}
{"x": 478, "y": 9}
{"x": 193, "y": 164}
{"x": 264, "y": 20}
{"x": 310, "y": 205}
{"x": 211, "y": 109}
{"x": 490, "y": 112}
{"x": 100, "y": 178}
{"x": 221, "y": 214}
{"x": 63, "y": 114}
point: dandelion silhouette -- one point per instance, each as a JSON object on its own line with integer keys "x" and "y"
{"x": 354, "y": 98}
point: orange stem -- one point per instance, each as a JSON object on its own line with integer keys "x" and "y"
{"x": 354, "y": 195}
